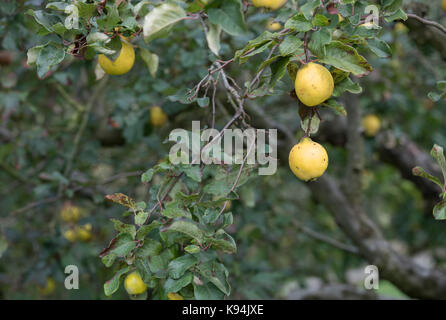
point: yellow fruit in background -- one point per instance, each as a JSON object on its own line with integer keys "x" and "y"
{"x": 70, "y": 235}
{"x": 369, "y": 25}
{"x": 259, "y": 3}
{"x": 314, "y": 84}
{"x": 400, "y": 28}
{"x": 133, "y": 284}
{"x": 70, "y": 213}
{"x": 228, "y": 206}
{"x": 49, "y": 288}
{"x": 341, "y": 18}
{"x": 174, "y": 296}
{"x": 308, "y": 160}
{"x": 83, "y": 233}
{"x": 269, "y": 4}
{"x": 443, "y": 4}
{"x": 122, "y": 64}
{"x": 273, "y": 26}
{"x": 157, "y": 116}
{"x": 371, "y": 125}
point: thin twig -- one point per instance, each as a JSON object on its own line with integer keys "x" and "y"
{"x": 428, "y": 22}
{"x": 321, "y": 237}
{"x": 83, "y": 125}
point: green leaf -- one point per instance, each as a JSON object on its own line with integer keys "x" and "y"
{"x": 124, "y": 228}
{"x": 174, "y": 210}
{"x": 192, "y": 171}
{"x": 187, "y": 228}
{"x": 392, "y": 5}
{"x": 147, "y": 176}
{"x": 398, "y": 15}
{"x": 441, "y": 85}
{"x": 292, "y": 69}
{"x": 192, "y": 249}
{"x": 278, "y": 69}
{"x": 141, "y": 217}
{"x": 217, "y": 274}
{"x": 158, "y": 22}
{"x": 151, "y": 60}
{"x": 346, "y": 85}
{"x": 228, "y": 219}
{"x": 110, "y": 19}
{"x": 438, "y": 155}
{"x": 420, "y": 172}
{"x": 319, "y": 40}
{"x": 224, "y": 245}
{"x": 380, "y": 48}
{"x": 213, "y": 38}
{"x": 313, "y": 124}
{"x": 43, "y": 19}
{"x": 254, "y": 46}
{"x": 298, "y": 23}
{"x": 150, "y": 248}
{"x": 144, "y": 230}
{"x": 112, "y": 285}
{"x": 120, "y": 246}
{"x": 210, "y": 215}
{"x": 142, "y": 265}
{"x": 207, "y": 291}
{"x": 172, "y": 285}
{"x": 229, "y": 16}
{"x": 98, "y": 41}
{"x": 440, "y": 211}
{"x": 290, "y": 45}
{"x": 222, "y": 184}
{"x": 50, "y": 55}
{"x": 346, "y": 58}
{"x": 336, "y": 106}
{"x": 86, "y": 10}
{"x": 179, "y": 266}
{"x": 434, "y": 96}
{"x": 308, "y": 8}
{"x": 320, "y": 20}
{"x": 33, "y": 53}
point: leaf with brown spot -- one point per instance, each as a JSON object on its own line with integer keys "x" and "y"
{"x": 122, "y": 199}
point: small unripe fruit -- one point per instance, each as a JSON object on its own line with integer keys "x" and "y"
{"x": 314, "y": 84}
{"x": 400, "y": 28}
{"x": 49, "y": 288}
{"x": 269, "y": 4}
{"x": 308, "y": 160}
{"x": 157, "y": 116}
{"x": 371, "y": 124}
{"x": 273, "y": 26}
{"x": 133, "y": 284}
{"x": 83, "y": 233}
{"x": 174, "y": 296}
{"x": 228, "y": 204}
{"x": 70, "y": 213}
{"x": 70, "y": 235}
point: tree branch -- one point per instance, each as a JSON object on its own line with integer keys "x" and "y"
{"x": 428, "y": 22}
{"x": 355, "y": 150}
